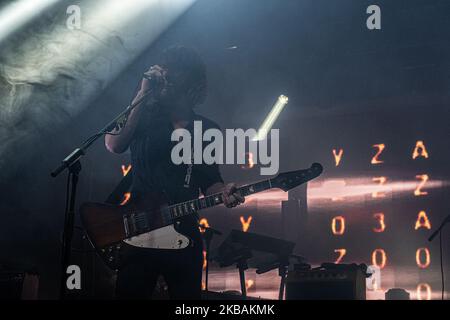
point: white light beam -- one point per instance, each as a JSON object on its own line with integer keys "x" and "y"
{"x": 271, "y": 118}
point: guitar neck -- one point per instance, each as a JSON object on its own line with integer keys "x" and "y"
{"x": 189, "y": 207}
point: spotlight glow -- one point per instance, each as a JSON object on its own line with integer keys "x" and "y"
{"x": 16, "y": 14}
{"x": 271, "y": 118}
{"x": 77, "y": 64}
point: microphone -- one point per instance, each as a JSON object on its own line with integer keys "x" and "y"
{"x": 148, "y": 76}
{"x": 153, "y": 78}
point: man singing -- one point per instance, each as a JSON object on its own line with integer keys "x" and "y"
{"x": 178, "y": 85}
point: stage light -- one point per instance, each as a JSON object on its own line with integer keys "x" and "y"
{"x": 18, "y": 13}
{"x": 271, "y": 118}
{"x": 76, "y": 64}
{"x": 381, "y": 181}
{"x": 356, "y": 189}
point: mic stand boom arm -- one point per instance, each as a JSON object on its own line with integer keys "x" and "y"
{"x": 73, "y": 165}
{"x": 80, "y": 151}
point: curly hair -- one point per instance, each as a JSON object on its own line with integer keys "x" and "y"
{"x": 187, "y": 72}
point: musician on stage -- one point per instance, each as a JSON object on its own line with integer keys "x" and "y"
{"x": 178, "y": 84}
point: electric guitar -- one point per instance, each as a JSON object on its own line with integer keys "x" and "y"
{"x": 151, "y": 223}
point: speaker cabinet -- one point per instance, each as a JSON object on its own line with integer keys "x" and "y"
{"x": 342, "y": 284}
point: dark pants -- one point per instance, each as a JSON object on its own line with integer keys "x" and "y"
{"x": 181, "y": 269}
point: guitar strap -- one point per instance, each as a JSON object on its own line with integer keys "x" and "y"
{"x": 187, "y": 178}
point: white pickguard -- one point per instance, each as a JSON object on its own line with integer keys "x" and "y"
{"x": 162, "y": 238}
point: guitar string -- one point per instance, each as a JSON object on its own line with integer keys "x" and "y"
{"x": 142, "y": 217}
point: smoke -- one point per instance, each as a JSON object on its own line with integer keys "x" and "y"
{"x": 49, "y": 73}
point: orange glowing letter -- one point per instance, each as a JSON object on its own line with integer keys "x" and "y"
{"x": 426, "y": 263}
{"x": 203, "y": 222}
{"x": 420, "y": 288}
{"x": 341, "y": 230}
{"x": 423, "y": 179}
{"x": 125, "y": 170}
{"x": 381, "y": 181}
{"x": 342, "y": 253}
{"x": 380, "y": 218}
{"x": 126, "y": 198}
{"x": 423, "y": 151}
{"x": 380, "y": 148}
{"x": 422, "y": 221}
{"x": 246, "y": 224}
{"x": 205, "y": 262}
{"x": 375, "y": 254}
{"x": 250, "y": 162}
{"x": 338, "y": 156}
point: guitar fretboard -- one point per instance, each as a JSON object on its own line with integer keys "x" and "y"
{"x": 189, "y": 207}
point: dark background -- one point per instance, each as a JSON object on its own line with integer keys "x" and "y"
{"x": 347, "y": 86}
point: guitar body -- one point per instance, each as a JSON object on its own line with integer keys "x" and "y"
{"x": 150, "y": 223}
{"x": 168, "y": 238}
{"x": 138, "y": 223}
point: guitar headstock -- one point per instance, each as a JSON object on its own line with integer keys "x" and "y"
{"x": 289, "y": 180}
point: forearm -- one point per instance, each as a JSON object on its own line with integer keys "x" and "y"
{"x": 120, "y": 139}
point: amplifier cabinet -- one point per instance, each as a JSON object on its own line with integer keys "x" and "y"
{"x": 348, "y": 284}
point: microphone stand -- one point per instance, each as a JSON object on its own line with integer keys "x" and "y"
{"x": 208, "y": 234}
{"x": 446, "y": 220}
{"x": 73, "y": 165}
{"x": 435, "y": 233}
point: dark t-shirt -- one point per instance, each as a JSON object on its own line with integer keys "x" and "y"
{"x": 153, "y": 169}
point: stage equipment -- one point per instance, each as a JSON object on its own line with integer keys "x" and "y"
{"x": 396, "y": 294}
{"x": 435, "y": 233}
{"x": 226, "y": 295}
{"x": 208, "y": 234}
{"x": 328, "y": 282}
{"x": 240, "y": 247}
